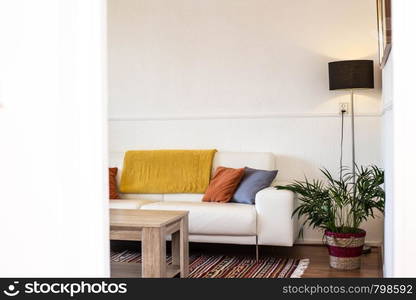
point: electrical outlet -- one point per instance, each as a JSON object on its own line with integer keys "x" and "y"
{"x": 343, "y": 106}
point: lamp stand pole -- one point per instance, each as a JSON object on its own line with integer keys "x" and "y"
{"x": 366, "y": 248}
{"x": 353, "y": 138}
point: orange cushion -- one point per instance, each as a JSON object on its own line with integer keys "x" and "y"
{"x": 223, "y": 184}
{"x": 112, "y": 172}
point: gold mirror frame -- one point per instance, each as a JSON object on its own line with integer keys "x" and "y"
{"x": 384, "y": 30}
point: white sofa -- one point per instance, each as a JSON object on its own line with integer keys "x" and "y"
{"x": 268, "y": 222}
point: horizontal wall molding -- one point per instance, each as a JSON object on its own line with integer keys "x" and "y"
{"x": 237, "y": 116}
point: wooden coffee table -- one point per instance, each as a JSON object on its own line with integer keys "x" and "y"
{"x": 151, "y": 227}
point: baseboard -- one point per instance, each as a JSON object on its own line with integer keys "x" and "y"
{"x": 320, "y": 242}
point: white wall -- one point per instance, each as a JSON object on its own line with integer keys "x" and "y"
{"x": 53, "y": 207}
{"x": 242, "y": 75}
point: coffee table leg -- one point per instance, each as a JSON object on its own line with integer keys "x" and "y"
{"x": 180, "y": 248}
{"x": 153, "y": 253}
{"x": 184, "y": 247}
{"x": 176, "y": 247}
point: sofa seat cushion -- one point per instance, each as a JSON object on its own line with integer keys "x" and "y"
{"x": 214, "y": 218}
{"x": 183, "y": 197}
{"x": 128, "y": 203}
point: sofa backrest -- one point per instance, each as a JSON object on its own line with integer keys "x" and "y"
{"x": 256, "y": 160}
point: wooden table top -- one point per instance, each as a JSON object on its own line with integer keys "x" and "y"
{"x": 137, "y": 218}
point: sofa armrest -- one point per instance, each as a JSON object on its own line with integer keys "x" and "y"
{"x": 275, "y": 225}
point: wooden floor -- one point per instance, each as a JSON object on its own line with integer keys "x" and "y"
{"x": 318, "y": 255}
{"x": 319, "y": 266}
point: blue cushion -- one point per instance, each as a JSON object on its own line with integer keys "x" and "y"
{"x": 252, "y": 182}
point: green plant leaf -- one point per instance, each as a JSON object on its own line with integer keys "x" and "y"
{"x": 337, "y": 204}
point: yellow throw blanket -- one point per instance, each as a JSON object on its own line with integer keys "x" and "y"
{"x": 166, "y": 171}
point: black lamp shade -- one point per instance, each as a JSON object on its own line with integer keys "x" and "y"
{"x": 351, "y": 74}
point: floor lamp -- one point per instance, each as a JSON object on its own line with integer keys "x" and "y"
{"x": 351, "y": 74}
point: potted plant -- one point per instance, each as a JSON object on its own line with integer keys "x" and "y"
{"x": 338, "y": 207}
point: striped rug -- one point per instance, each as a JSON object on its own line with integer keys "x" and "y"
{"x": 219, "y": 266}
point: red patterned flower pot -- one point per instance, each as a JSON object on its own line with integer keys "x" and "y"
{"x": 345, "y": 249}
